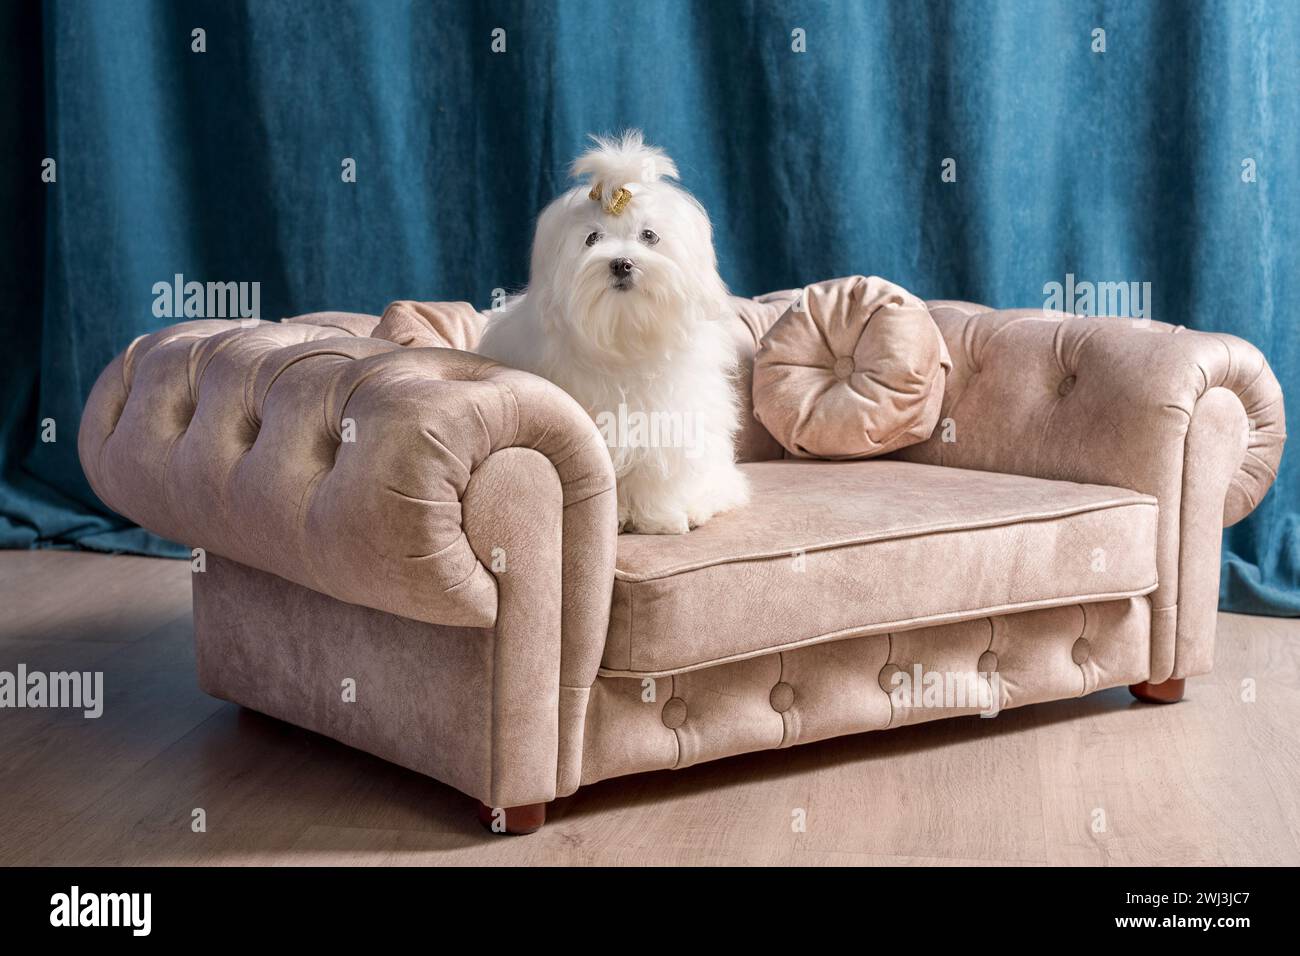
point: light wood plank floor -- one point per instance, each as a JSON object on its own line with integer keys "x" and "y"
{"x": 1101, "y": 780}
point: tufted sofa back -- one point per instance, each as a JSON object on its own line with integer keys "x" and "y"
{"x": 1050, "y": 380}
{"x": 1055, "y": 345}
{"x": 458, "y": 325}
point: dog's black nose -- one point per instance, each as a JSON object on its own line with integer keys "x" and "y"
{"x": 621, "y": 267}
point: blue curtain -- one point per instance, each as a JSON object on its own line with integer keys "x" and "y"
{"x": 1130, "y": 164}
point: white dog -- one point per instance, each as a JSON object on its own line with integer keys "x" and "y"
{"x": 625, "y": 311}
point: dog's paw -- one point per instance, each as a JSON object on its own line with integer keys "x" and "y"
{"x": 727, "y": 496}
{"x": 659, "y": 524}
{"x": 698, "y": 516}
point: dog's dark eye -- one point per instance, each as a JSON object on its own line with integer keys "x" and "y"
{"x": 593, "y": 238}
{"x": 649, "y": 237}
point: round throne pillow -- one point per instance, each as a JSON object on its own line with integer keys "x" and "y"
{"x": 854, "y": 368}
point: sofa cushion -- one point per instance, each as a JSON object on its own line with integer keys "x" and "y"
{"x": 831, "y": 550}
{"x": 451, "y": 325}
{"x": 855, "y": 368}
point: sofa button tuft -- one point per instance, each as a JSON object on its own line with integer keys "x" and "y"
{"x": 988, "y": 663}
{"x": 782, "y": 697}
{"x": 1066, "y": 386}
{"x": 674, "y": 713}
{"x": 886, "y": 678}
{"x": 844, "y": 367}
{"x": 1081, "y": 650}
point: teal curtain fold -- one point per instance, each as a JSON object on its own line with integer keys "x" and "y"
{"x": 1128, "y": 165}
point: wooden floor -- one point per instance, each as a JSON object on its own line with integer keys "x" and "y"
{"x": 1101, "y": 780}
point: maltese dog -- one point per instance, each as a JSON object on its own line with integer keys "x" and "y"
{"x": 626, "y": 312}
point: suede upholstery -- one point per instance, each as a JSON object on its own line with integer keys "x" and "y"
{"x": 284, "y": 650}
{"x": 854, "y": 368}
{"x": 1194, "y": 419}
{"x": 753, "y": 318}
{"x": 844, "y": 687}
{"x": 452, "y": 325}
{"x": 826, "y": 551}
{"x": 441, "y": 530}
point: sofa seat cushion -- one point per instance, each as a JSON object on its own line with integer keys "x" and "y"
{"x": 831, "y": 550}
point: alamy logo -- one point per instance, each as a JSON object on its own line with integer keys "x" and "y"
{"x": 635, "y": 429}
{"x": 75, "y": 908}
{"x": 1127, "y": 300}
{"x": 923, "y": 688}
{"x": 207, "y": 300}
{"x": 79, "y": 690}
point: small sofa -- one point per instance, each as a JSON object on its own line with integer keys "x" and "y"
{"x": 414, "y": 550}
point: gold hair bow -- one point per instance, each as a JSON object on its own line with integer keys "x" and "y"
{"x": 618, "y": 200}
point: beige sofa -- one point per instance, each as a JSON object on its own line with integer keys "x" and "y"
{"x": 414, "y": 550}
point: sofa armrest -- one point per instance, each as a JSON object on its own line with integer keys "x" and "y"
{"x": 1195, "y": 419}
{"x": 341, "y": 463}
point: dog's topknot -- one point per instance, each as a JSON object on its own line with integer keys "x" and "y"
{"x": 614, "y": 162}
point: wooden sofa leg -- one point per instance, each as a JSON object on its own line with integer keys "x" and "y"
{"x": 515, "y": 820}
{"x": 1168, "y": 692}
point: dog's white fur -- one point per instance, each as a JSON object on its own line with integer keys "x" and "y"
{"x": 653, "y": 342}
